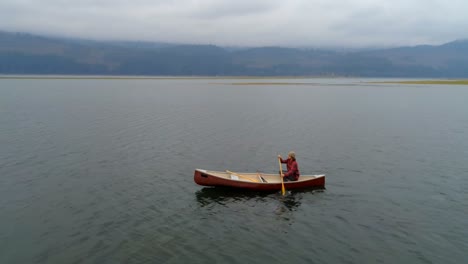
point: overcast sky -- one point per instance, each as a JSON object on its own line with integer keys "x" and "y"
{"x": 294, "y": 23}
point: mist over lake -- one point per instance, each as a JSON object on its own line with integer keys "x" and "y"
{"x": 101, "y": 171}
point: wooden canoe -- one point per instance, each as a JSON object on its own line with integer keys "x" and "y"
{"x": 255, "y": 181}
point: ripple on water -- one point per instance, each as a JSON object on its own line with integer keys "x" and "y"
{"x": 96, "y": 172}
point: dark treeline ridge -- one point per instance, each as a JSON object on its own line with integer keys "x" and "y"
{"x": 22, "y": 53}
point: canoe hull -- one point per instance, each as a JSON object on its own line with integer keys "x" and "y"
{"x": 207, "y": 178}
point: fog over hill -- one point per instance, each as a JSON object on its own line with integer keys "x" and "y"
{"x": 22, "y": 53}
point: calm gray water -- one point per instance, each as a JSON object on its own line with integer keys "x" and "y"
{"x": 101, "y": 171}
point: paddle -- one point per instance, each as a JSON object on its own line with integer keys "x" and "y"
{"x": 283, "y": 190}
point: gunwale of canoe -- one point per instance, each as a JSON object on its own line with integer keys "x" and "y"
{"x": 270, "y": 178}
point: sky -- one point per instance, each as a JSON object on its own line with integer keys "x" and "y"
{"x": 289, "y": 23}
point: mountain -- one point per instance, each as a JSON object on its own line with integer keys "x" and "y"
{"x": 22, "y": 53}
{"x": 447, "y": 60}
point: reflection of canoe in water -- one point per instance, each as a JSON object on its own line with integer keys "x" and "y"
{"x": 256, "y": 181}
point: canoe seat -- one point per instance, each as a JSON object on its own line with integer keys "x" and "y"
{"x": 238, "y": 177}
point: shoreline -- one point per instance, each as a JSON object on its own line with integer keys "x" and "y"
{"x": 98, "y": 77}
{"x": 103, "y": 77}
{"x": 449, "y": 82}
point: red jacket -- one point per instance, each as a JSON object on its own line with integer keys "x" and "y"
{"x": 292, "y": 167}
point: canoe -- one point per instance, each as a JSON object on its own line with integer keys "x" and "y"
{"x": 255, "y": 181}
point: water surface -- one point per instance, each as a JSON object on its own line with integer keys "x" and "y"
{"x": 101, "y": 171}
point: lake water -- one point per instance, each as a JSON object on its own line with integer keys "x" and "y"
{"x": 101, "y": 171}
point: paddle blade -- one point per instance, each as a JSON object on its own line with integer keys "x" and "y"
{"x": 283, "y": 190}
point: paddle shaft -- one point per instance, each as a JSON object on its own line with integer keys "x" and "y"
{"x": 283, "y": 190}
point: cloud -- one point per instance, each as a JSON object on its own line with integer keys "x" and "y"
{"x": 356, "y": 23}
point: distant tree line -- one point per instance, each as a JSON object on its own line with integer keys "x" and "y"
{"x": 28, "y": 54}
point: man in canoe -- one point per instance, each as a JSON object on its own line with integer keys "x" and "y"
{"x": 291, "y": 164}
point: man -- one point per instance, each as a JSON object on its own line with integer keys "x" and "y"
{"x": 291, "y": 164}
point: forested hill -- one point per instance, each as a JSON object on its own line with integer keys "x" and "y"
{"x": 22, "y": 53}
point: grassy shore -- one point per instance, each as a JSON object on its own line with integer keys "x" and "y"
{"x": 450, "y": 82}
{"x": 269, "y": 83}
